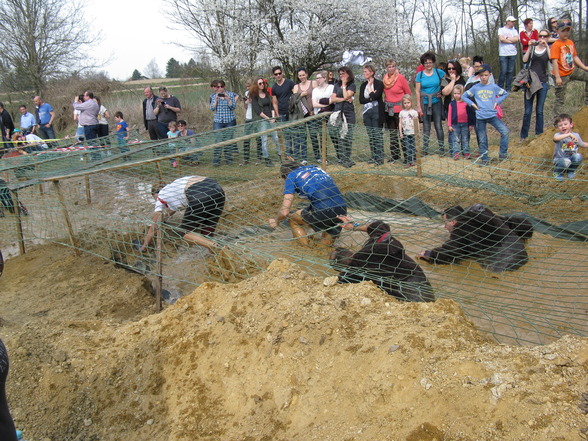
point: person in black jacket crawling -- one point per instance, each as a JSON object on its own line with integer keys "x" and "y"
{"x": 496, "y": 242}
{"x": 383, "y": 260}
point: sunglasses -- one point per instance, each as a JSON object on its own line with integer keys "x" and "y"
{"x": 451, "y": 68}
{"x": 277, "y": 73}
{"x": 261, "y": 83}
{"x": 543, "y": 36}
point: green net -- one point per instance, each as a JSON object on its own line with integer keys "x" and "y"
{"x": 96, "y": 197}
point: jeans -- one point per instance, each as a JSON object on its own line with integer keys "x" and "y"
{"x": 392, "y": 122}
{"x": 541, "y": 97}
{"x": 460, "y": 138}
{"x": 46, "y": 132}
{"x": 507, "y": 68}
{"x": 569, "y": 164}
{"x": 261, "y": 126}
{"x": 315, "y": 132}
{"x": 162, "y": 130}
{"x": 287, "y": 136}
{"x": 152, "y": 129}
{"x": 299, "y": 140}
{"x": 371, "y": 120}
{"x": 250, "y": 127}
{"x": 436, "y": 118}
{"x": 409, "y": 147}
{"x": 483, "y": 136}
{"x": 220, "y": 136}
{"x": 91, "y": 132}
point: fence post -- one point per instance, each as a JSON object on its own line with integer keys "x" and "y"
{"x": 19, "y": 233}
{"x": 324, "y": 144}
{"x": 418, "y": 145}
{"x": 158, "y": 266}
{"x": 70, "y": 231}
{"x": 88, "y": 192}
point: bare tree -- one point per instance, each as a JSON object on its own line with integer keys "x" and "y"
{"x": 152, "y": 70}
{"x": 41, "y": 39}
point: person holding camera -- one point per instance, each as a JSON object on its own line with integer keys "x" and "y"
{"x": 223, "y": 104}
{"x": 537, "y": 57}
{"x": 167, "y": 109}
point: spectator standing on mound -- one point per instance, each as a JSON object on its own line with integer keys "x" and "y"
{"x": 281, "y": 93}
{"x": 168, "y": 107}
{"x": 326, "y": 202}
{"x": 508, "y": 37}
{"x": 495, "y": 242}
{"x": 565, "y": 59}
{"x": 45, "y": 115}
{"x": 223, "y": 103}
{"x": 149, "y": 116}
{"x": 383, "y": 260}
{"x": 485, "y": 97}
{"x": 88, "y": 116}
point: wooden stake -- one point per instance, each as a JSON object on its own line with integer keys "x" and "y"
{"x": 324, "y": 146}
{"x": 88, "y": 192}
{"x": 158, "y": 266}
{"x": 19, "y": 233}
{"x": 70, "y": 231}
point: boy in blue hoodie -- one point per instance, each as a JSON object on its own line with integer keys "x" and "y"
{"x": 484, "y": 97}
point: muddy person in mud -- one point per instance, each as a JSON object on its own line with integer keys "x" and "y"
{"x": 326, "y": 203}
{"x": 203, "y": 200}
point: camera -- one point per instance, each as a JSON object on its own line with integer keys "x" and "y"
{"x": 221, "y": 95}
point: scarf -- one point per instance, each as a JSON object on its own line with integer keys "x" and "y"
{"x": 389, "y": 80}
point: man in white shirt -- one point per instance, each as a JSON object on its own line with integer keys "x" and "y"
{"x": 508, "y": 37}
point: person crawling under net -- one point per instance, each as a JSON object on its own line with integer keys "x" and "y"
{"x": 496, "y": 242}
{"x": 203, "y": 200}
{"x": 382, "y": 260}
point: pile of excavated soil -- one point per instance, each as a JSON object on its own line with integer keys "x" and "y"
{"x": 280, "y": 356}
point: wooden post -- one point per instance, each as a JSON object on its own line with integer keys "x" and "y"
{"x": 417, "y": 145}
{"x": 158, "y": 266}
{"x": 40, "y": 183}
{"x": 324, "y": 144}
{"x": 88, "y": 192}
{"x": 70, "y": 231}
{"x": 158, "y": 165}
{"x": 19, "y": 233}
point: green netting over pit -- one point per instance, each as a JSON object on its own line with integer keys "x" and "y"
{"x": 97, "y": 199}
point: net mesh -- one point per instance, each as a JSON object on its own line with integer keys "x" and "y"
{"x": 97, "y": 199}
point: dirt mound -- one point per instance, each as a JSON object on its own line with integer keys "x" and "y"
{"x": 280, "y": 356}
{"x": 542, "y": 146}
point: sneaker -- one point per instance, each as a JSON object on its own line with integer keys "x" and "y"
{"x": 409, "y": 165}
{"x": 558, "y": 176}
{"x": 456, "y": 156}
{"x": 466, "y": 156}
{"x": 484, "y": 163}
{"x": 174, "y": 164}
{"x": 571, "y": 175}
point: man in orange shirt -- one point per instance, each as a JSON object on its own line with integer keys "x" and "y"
{"x": 565, "y": 59}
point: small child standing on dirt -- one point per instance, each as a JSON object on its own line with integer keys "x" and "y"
{"x": 409, "y": 125}
{"x": 460, "y": 118}
{"x": 122, "y": 131}
{"x": 565, "y": 154}
{"x": 485, "y": 97}
{"x": 173, "y": 133}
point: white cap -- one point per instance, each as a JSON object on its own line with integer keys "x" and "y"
{"x": 510, "y": 18}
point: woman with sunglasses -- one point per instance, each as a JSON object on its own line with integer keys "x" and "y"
{"x": 395, "y": 87}
{"x": 263, "y": 112}
{"x": 552, "y": 28}
{"x": 538, "y": 58}
{"x": 342, "y": 97}
{"x": 452, "y": 78}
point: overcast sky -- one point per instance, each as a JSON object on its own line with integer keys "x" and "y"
{"x": 133, "y": 33}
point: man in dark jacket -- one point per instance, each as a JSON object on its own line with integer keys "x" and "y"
{"x": 495, "y": 242}
{"x": 149, "y": 117}
{"x": 383, "y": 260}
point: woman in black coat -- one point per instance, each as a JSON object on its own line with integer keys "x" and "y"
{"x": 370, "y": 95}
